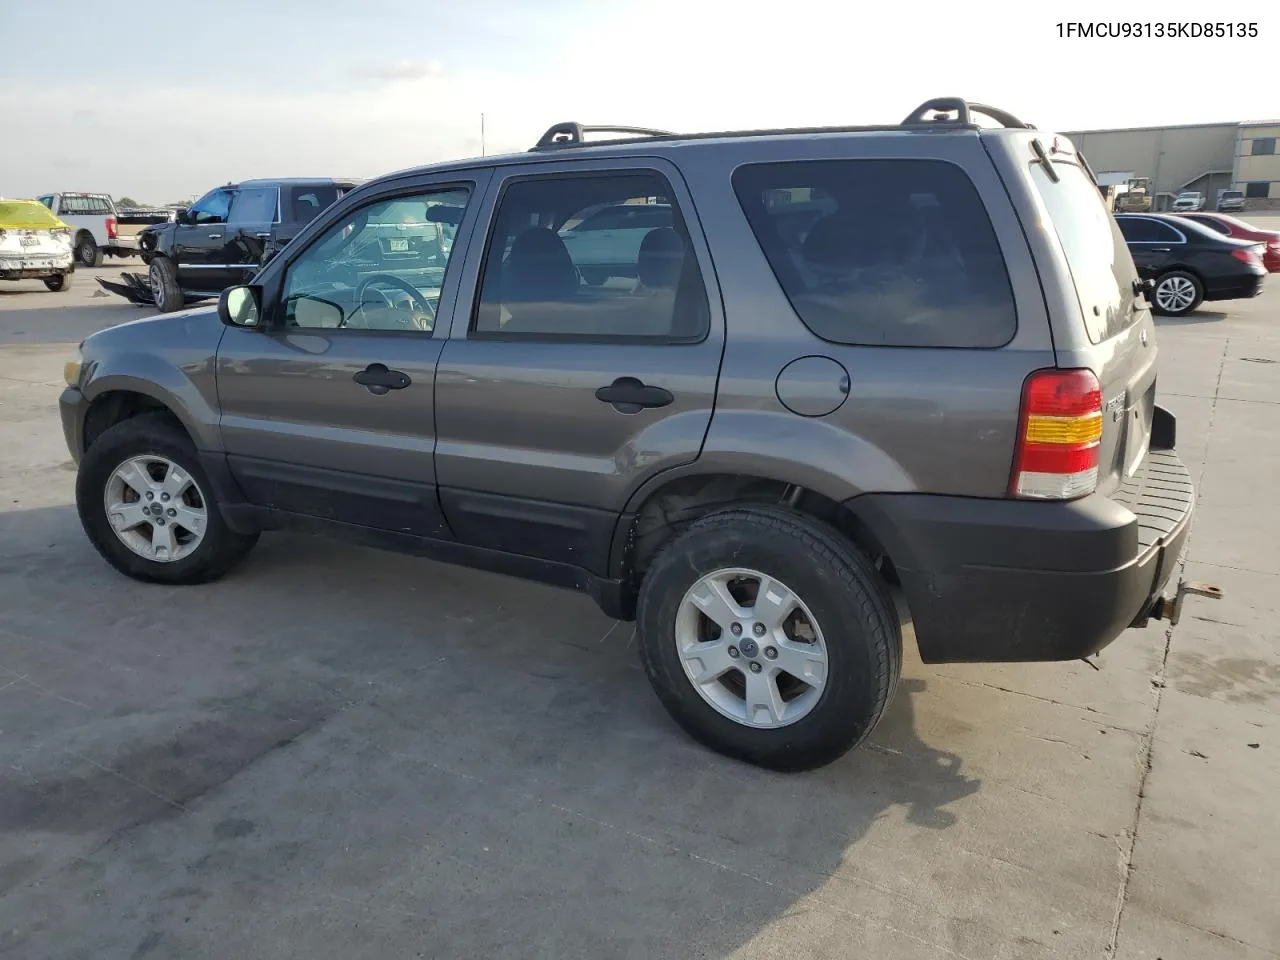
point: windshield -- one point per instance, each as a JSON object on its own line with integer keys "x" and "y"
{"x": 1100, "y": 263}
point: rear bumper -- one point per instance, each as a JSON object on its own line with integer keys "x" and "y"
{"x": 1014, "y": 580}
{"x": 1241, "y": 286}
{"x": 39, "y": 265}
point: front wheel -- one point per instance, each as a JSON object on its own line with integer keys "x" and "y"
{"x": 164, "y": 285}
{"x": 1177, "y": 293}
{"x": 59, "y": 284}
{"x": 147, "y": 506}
{"x": 769, "y": 638}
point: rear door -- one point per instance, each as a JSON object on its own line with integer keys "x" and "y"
{"x": 328, "y": 411}
{"x": 1103, "y": 322}
{"x": 556, "y": 396}
{"x": 1151, "y": 243}
{"x": 199, "y": 242}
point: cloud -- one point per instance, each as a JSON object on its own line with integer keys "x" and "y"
{"x": 402, "y": 70}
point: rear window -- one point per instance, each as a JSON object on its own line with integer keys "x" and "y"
{"x": 1100, "y": 264}
{"x": 894, "y": 253}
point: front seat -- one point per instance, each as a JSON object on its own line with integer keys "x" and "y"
{"x": 539, "y": 283}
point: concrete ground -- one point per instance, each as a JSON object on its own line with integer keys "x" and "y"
{"x": 337, "y": 753}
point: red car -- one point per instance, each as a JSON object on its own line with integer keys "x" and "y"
{"x": 1243, "y": 231}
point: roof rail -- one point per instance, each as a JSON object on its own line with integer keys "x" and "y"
{"x": 574, "y": 134}
{"x": 943, "y": 107}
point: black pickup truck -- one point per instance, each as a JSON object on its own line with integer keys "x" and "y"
{"x": 223, "y": 239}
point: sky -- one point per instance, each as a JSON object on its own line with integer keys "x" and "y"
{"x": 163, "y": 105}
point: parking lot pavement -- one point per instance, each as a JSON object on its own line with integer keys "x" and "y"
{"x": 337, "y": 753}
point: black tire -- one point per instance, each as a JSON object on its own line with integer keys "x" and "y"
{"x": 59, "y": 284}
{"x": 834, "y": 579}
{"x": 88, "y": 253}
{"x": 154, "y": 433}
{"x": 164, "y": 285}
{"x": 1178, "y": 277}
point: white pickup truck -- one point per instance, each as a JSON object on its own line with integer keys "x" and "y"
{"x": 94, "y": 223}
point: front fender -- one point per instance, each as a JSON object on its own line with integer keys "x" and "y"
{"x": 170, "y": 360}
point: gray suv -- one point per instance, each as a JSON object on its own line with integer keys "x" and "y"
{"x": 846, "y": 367}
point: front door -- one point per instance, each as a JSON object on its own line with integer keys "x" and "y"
{"x": 328, "y": 411}
{"x": 561, "y": 389}
{"x": 198, "y": 243}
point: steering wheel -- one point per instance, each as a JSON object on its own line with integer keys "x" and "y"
{"x": 414, "y": 294}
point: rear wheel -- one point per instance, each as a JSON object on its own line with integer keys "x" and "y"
{"x": 164, "y": 285}
{"x": 88, "y": 253}
{"x": 768, "y": 637}
{"x": 147, "y": 506}
{"x": 59, "y": 284}
{"x": 1177, "y": 293}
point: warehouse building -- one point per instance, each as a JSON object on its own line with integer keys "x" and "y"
{"x": 1206, "y": 157}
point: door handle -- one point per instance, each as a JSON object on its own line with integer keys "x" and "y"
{"x": 629, "y": 395}
{"x": 380, "y": 381}
{"x": 1159, "y": 249}
{"x": 215, "y": 236}
{"x": 263, "y": 236}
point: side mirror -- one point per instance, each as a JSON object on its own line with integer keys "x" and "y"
{"x": 240, "y": 306}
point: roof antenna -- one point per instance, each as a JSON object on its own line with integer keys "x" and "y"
{"x": 482, "y": 134}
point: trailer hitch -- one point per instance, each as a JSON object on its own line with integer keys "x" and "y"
{"x": 1170, "y": 608}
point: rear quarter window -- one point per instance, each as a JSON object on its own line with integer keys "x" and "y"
{"x": 1099, "y": 260}
{"x": 896, "y": 253}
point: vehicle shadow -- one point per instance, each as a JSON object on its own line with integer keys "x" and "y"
{"x": 1194, "y": 317}
{"x": 397, "y": 750}
{"x": 31, "y": 317}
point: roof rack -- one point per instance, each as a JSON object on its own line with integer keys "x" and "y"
{"x": 574, "y": 134}
{"x": 938, "y": 112}
{"x": 942, "y": 109}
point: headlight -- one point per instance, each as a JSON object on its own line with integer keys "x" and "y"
{"x": 71, "y": 370}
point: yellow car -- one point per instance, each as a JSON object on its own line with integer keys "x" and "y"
{"x": 34, "y": 244}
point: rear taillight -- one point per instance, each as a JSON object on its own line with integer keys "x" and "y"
{"x": 1250, "y": 255}
{"x": 111, "y": 228}
{"x": 1059, "y": 430}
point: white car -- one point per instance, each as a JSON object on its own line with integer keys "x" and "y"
{"x": 1188, "y": 201}
{"x": 34, "y": 244}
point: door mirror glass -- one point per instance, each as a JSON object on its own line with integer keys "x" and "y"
{"x": 239, "y": 307}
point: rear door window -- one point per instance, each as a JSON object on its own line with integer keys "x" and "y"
{"x": 894, "y": 253}
{"x": 1100, "y": 263}
{"x": 253, "y": 205}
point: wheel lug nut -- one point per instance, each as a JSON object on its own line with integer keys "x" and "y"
{"x": 771, "y": 653}
{"x": 758, "y": 629}
{"x": 150, "y": 495}
{"x": 173, "y": 513}
{"x": 736, "y": 629}
{"x": 164, "y": 497}
{"x": 755, "y": 667}
{"x": 733, "y": 652}
{"x": 160, "y": 521}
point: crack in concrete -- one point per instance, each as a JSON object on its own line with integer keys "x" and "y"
{"x": 1158, "y": 685}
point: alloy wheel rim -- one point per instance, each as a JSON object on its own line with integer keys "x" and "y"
{"x": 155, "y": 508}
{"x": 751, "y": 648}
{"x": 1175, "y": 293}
{"x": 157, "y": 285}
